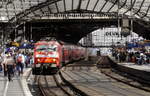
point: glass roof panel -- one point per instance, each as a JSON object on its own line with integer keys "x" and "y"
{"x": 139, "y": 8}
{"x": 142, "y": 6}
{"x": 9, "y": 8}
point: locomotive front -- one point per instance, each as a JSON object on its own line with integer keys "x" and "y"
{"x": 46, "y": 58}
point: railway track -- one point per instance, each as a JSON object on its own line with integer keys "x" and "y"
{"x": 94, "y": 82}
{"x": 83, "y": 79}
{"x": 51, "y": 86}
{"x": 125, "y": 78}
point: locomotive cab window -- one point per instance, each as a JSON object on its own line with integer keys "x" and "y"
{"x": 41, "y": 47}
{"x": 46, "y": 48}
{"x": 52, "y": 48}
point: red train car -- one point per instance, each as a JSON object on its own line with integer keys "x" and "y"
{"x": 50, "y": 56}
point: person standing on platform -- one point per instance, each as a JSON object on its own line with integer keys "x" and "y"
{"x": 1, "y": 60}
{"x": 3, "y": 63}
{"x": 20, "y": 60}
{"x": 9, "y": 63}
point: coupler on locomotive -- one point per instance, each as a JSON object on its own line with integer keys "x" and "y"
{"x": 45, "y": 69}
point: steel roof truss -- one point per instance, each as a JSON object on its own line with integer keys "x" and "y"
{"x": 139, "y": 7}
{"x": 146, "y": 12}
{"x": 122, "y": 4}
{"x": 65, "y": 5}
{"x": 106, "y": 1}
{"x": 112, "y": 5}
{"x": 72, "y": 4}
{"x": 95, "y": 5}
{"x": 87, "y": 5}
{"x": 131, "y": 6}
{"x": 57, "y": 7}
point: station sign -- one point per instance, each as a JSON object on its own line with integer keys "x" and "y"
{"x": 114, "y": 34}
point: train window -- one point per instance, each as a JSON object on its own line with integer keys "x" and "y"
{"x": 46, "y": 48}
{"x": 41, "y": 47}
{"x": 52, "y": 48}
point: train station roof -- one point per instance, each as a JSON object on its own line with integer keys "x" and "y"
{"x": 11, "y": 10}
{"x": 15, "y": 12}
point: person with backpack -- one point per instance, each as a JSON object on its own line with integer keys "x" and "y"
{"x": 20, "y": 59}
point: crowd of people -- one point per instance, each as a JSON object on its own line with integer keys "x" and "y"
{"x": 14, "y": 62}
{"x": 137, "y": 57}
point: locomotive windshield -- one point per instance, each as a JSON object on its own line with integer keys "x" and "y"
{"x": 48, "y": 48}
{"x": 41, "y": 47}
{"x": 52, "y": 48}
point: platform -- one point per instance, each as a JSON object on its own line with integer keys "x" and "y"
{"x": 17, "y": 87}
{"x": 145, "y": 67}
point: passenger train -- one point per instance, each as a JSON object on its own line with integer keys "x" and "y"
{"x": 50, "y": 56}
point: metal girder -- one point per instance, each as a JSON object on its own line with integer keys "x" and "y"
{"x": 31, "y": 5}
{"x": 131, "y": 6}
{"x": 15, "y": 21}
{"x": 87, "y": 5}
{"x": 72, "y": 4}
{"x": 19, "y": 17}
{"x": 106, "y": 1}
{"x": 5, "y": 3}
{"x": 65, "y": 5}
{"x": 113, "y": 5}
{"x": 139, "y": 7}
{"x": 57, "y": 7}
{"x": 32, "y": 9}
{"x": 124, "y": 5}
{"x": 7, "y": 12}
{"x": 79, "y": 5}
{"x": 40, "y": 8}
{"x": 95, "y": 5}
{"x": 146, "y": 12}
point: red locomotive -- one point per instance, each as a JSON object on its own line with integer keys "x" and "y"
{"x": 50, "y": 56}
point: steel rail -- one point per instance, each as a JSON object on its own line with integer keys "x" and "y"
{"x": 43, "y": 91}
{"x": 74, "y": 89}
{"x": 129, "y": 78}
{"x": 60, "y": 86}
{"x": 40, "y": 87}
{"x": 127, "y": 81}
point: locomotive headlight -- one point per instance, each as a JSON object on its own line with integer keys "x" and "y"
{"x": 38, "y": 60}
{"x": 54, "y": 60}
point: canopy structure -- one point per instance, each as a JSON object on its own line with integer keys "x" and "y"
{"x": 11, "y": 10}
{"x": 16, "y": 12}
